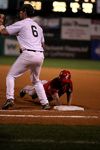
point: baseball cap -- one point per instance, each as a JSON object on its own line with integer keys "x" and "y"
{"x": 28, "y": 9}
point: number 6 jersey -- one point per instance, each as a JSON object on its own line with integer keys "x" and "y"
{"x": 29, "y": 34}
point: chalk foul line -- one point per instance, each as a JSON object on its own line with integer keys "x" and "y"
{"x": 49, "y": 116}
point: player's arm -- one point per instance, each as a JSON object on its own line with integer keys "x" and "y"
{"x": 69, "y": 92}
{"x": 42, "y": 40}
{"x": 3, "y": 30}
{"x": 69, "y": 97}
{"x": 56, "y": 98}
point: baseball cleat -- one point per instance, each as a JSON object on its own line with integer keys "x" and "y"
{"x": 22, "y": 93}
{"x": 7, "y": 104}
{"x": 46, "y": 106}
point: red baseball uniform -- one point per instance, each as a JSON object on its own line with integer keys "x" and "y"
{"x": 54, "y": 88}
{"x": 56, "y": 85}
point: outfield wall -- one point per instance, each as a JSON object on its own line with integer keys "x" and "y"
{"x": 64, "y": 37}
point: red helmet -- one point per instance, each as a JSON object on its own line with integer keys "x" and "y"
{"x": 65, "y": 75}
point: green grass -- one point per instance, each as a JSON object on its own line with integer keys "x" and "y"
{"x": 72, "y": 64}
{"x": 4, "y": 60}
{"x": 59, "y": 63}
{"x": 49, "y": 137}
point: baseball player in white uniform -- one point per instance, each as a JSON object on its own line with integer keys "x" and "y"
{"x": 30, "y": 37}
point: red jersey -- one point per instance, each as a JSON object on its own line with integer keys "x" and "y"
{"x": 56, "y": 85}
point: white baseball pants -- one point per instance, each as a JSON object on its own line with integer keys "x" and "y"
{"x": 27, "y": 60}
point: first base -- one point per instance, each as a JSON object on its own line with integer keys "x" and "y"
{"x": 68, "y": 108}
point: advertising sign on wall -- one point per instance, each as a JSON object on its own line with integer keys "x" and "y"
{"x": 11, "y": 47}
{"x": 75, "y": 29}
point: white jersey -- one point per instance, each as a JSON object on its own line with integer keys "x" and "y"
{"x": 29, "y": 34}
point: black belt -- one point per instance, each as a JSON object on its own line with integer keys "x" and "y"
{"x": 33, "y": 50}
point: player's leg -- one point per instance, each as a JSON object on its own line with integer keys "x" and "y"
{"x": 39, "y": 88}
{"x": 17, "y": 69}
{"x": 35, "y": 73}
{"x": 28, "y": 89}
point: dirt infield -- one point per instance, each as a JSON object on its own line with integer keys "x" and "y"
{"x": 86, "y": 94}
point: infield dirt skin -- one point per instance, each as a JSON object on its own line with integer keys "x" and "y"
{"x": 86, "y": 93}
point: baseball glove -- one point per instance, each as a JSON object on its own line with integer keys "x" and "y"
{"x": 2, "y": 19}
